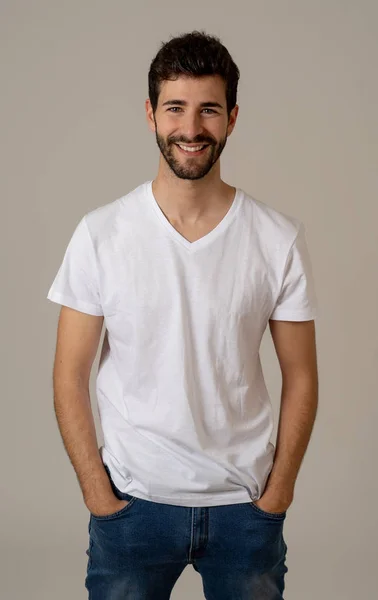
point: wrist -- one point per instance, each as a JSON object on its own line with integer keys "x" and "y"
{"x": 284, "y": 492}
{"x": 99, "y": 490}
{"x": 97, "y": 504}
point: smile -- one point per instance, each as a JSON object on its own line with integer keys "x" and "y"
{"x": 195, "y": 151}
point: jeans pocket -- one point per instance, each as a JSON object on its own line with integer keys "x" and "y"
{"x": 121, "y": 496}
{"x": 119, "y": 513}
{"x": 278, "y": 516}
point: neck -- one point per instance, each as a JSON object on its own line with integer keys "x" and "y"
{"x": 184, "y": 200}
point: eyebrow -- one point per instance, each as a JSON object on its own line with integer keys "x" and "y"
{"x": 184, "y": 103}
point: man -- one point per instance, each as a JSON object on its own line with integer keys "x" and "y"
{"x": 186, "y": 271}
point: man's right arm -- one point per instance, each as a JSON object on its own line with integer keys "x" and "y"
{"x": 77, "y": 342}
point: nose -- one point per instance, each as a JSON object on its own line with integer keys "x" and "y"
{"x": 192, "y": 126}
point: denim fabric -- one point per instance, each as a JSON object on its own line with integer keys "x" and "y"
{"x": 139, "y": 552}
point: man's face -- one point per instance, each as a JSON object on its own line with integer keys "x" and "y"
{"x": 192, "y": 112}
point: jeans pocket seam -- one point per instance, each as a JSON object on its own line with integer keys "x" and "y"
{"x": 89, "y": 552}
{"x": 276, "y": 516}
{"x": 117, "y": 514}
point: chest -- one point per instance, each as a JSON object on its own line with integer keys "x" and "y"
{"x": 147, "y": 287}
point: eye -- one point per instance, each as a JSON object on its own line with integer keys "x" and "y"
{"x": 179, "y": 108}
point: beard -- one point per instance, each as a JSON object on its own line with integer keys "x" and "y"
{"x": 187, "y": 167}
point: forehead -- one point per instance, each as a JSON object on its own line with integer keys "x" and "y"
{"x": 204, "y": 88}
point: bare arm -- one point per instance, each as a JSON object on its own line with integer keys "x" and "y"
{"x": 295, "y": 345}
{"x": 77, "y": 342}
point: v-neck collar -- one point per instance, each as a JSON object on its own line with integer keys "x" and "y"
{"x": 205, "y": 239}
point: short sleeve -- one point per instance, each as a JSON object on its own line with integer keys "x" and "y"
{"x": 76, "y": 283}
{"x": 297, "y": 300}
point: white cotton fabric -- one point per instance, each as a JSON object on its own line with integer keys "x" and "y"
{"x": 184, "y": 409}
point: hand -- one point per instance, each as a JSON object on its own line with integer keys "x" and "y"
{"x": 274, "y": 501}
{"x": 108, "y": 508}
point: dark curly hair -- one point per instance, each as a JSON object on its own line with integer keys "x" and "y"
{"x": 193, "y": 55}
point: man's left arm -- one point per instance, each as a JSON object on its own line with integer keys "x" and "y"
{"x": 295, "y": 345}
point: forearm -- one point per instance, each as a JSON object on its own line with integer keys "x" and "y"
{"x": 75, "y": 419}
{"x": 299, "y": 401}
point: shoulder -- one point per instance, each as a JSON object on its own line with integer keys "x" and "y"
{"x": 105, "y": 220}
{"x": 271, "y": 225}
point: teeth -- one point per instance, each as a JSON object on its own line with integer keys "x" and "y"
{"x": 188, "y": 149}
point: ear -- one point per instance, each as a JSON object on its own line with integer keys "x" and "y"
{"x": 232, "y": 119}
{"x": 150, "y": 115}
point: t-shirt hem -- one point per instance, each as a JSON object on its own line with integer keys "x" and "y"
{"x": 85, "y": 307}
{"x": 202, "y": 501}
{"x": 293, "y": 316}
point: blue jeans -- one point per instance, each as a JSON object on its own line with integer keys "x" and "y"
{"x": 139, "y": 552}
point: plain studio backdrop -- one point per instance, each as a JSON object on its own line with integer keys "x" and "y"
{"x": 74, "y": 137}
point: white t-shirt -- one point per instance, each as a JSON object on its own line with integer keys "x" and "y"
{"x": 184, "y": 409}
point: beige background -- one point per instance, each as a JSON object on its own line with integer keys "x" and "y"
{"x": 74, "y": 137}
